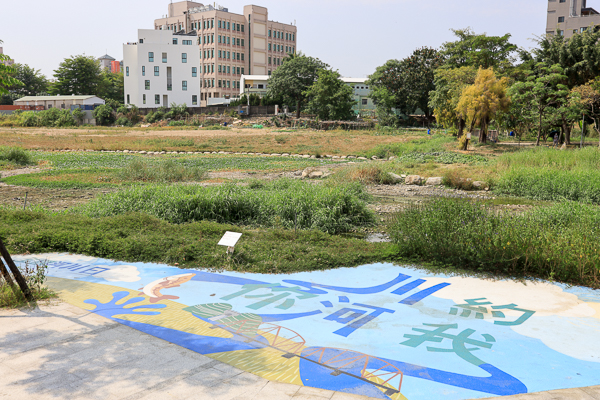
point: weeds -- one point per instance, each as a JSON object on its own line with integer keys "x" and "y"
{"x": 15, "y": 155}
{"x": 284, "y": 203}
{"x": 35, "y": 276}
{"x": 164, "y": 171}
{"x": 557, "y": 242}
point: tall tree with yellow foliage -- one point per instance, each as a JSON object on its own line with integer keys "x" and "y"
{"x": 479, "y": 103}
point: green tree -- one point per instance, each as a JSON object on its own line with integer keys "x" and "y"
{"x": 330, "y": 98}
{"x": 112, "y": 86}
{"x": 541, "y": 92}
{"x": 79, "y": 75}
{"x": 578, "y": 56}
{"x": 449, "y": 84}
{"x": 587, "y": 97}
{"x": 479, "y": 103}
{"x": 478, "y": 50}
{"x": 404, "y": 85}
{"x": 34, "y": 83}
{"x": 7, "y": 72}
{"x": 292, "y": 79}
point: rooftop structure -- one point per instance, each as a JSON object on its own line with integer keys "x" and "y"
{"x": 9, "y": 62}
{"x": 569, "y": 17}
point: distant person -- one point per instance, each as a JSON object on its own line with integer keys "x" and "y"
{"x": 556, "y": 139}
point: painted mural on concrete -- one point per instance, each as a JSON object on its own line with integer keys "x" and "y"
{"x": 378, "y": 330}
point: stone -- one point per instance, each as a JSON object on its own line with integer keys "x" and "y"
{"x": 413, "y": 180}
{"x": 395, "y": 178}
{"x": 125, "y": 151}
{"x": 479, "y": 185}
{"x": 305, "y": 156}
{"x": 316, "y": 175}
{"x": 434, "y": 181}
{"x": 343, "y": 157}
{"x": 374, "y": 158}
{"x": 143, "y": 152}
{"x": 362, "y": 158}
{"x": 392, "y": 158}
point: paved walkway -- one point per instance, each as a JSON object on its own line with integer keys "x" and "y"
{"x": 60, "y": 351}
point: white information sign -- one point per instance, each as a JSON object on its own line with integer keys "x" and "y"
{"x": 468, "y": 135}
{"x": 230, "y": 239}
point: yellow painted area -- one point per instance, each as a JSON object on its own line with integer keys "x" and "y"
{"x": 75, "y": 292}
{"x": 267, "y": 363}
{"x": 397, "y": 396}
{"x": 595, "y": 306}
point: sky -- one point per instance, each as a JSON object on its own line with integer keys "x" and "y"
{"x": 352, "y": 36}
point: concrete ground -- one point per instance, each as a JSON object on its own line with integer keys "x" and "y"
{"x": 59, "y": 351}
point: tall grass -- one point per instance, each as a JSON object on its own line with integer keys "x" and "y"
{"x": 283, "y": 203}
{"x": 35, "y": 276}
{"x": 433, "y": 144}
{"x": 164, "y": 171}
{"x": 550, "y": 174}
{"x": 559, "y": 242}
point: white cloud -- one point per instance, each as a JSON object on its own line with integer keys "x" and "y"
{"x": 119, "y": 273}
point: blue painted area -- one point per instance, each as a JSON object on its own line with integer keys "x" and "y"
{"x": 400, "y": 318}
{"x": 316, "y": 375}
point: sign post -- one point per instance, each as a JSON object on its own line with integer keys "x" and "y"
{"x": 230, "y": 239}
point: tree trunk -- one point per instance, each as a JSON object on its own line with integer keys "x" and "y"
{"x": 566, "y": 132}
{"x": 461, "y": 127}
{"x": 298, "y": 110}
{"x": 537, "y": 142}
{"x": 483, "y": 131}
{"x": 16, "y": 273}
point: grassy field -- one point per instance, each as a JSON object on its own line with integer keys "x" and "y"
{"x": 235, "y": 140}
{"x": 142, "y": 238}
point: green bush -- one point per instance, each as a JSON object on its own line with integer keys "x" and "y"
{"x": 123, "y": 122}
{"x": 104, "y": 115}
{"x": 558, "y": 242}
{"x": 286, "y": 203}
{"x": 433, "y": 144}
{"x": 15, "y": 155}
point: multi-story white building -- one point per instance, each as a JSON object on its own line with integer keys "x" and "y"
{"x": 570, "y": 17}
{"x": 361, "y": 94}
{"x": 162, "y": 68}
{"x": 231, "y": 45}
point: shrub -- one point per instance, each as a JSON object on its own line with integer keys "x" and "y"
{"x": 556, "y": 242}
{"x": 79, "y": 115}
{"x": 104, "y": 115}
{"x": 15, "y": 155}
{"x": 453, "y": 179}
{"x": 123, "y": 121}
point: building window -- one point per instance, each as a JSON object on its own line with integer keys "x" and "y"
{"x": 365, "y": 102}
{"x": 242, "y": 27}
{"x": 269, "y": 72}
{"x": 151, "y": 57}
{"x": 194, "y": 72}
{"x": 212, "y": 23}
{"x": 184, "y": 85}
{"x": 228, "y": 40}
{"x": 147, "y": 84}
{"x": 269, "y": 60}
{"x": 174, "y": 40}
{"x": 269, "y": 33}
{"x": 156, "y": 71}
{"x": 194, "y": 100}
{"x": 186, "y": 42}
{"x": 184, "y": 58}
{"x": 219, "y": 24}
{"x": 561, "y": 19}
{"x": 144, "y": 98}
{"x": 242, "y": 56}
{"x": 127, "y": 71}
{"x": 157, "y": 99}
{"x": 143, "y": 71}
{"x": 219, "y": 83}
{"x": 164, "y": 57}
{"x": 242, "y": 71}
{"x": 242, "y": 42}
{"x": 128, "y": 100}
{"x": 238, "y": 41}
{"x": 229, "y": 25}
